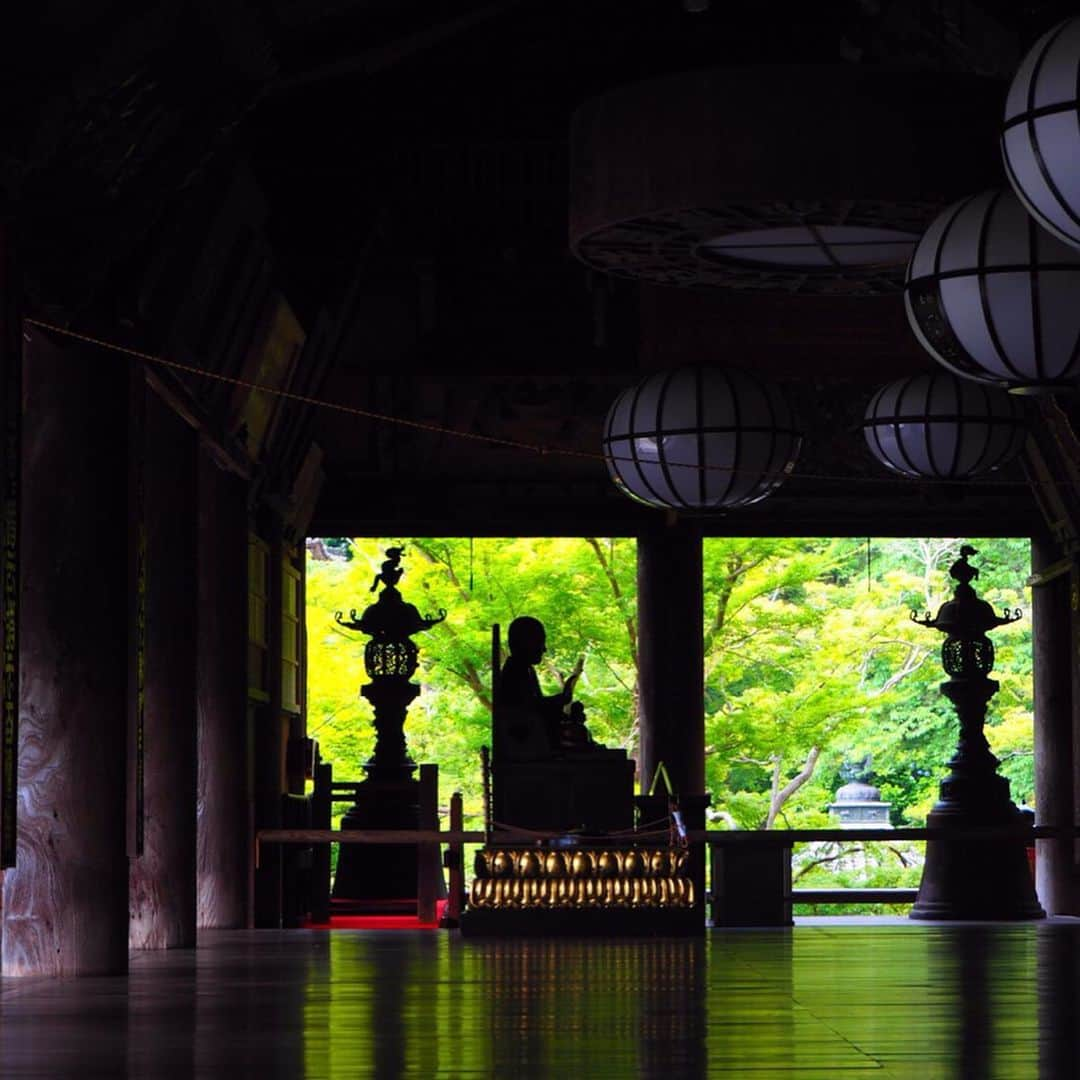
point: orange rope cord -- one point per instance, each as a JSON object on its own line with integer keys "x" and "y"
{"x": 437, "y": 429}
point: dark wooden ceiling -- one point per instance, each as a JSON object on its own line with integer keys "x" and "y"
{"x": 424, "y": 147}
{"x": 413, "y": 154}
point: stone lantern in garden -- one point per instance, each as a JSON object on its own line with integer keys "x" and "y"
{"x": 967, "y": 876}
{"x": 858, "y": 805}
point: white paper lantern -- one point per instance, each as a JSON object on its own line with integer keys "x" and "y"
{"x": 700, "y": 439}
{"x": 1040, "y": 141}
{"x": 994, "y": 297}
{"x": 940, "y": 427}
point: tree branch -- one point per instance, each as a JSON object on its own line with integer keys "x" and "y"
{"x": 736, "y": 569}
{"x": 899, "y": 854}
{"x": 915, "y": 658}
{"x": 472, "y": 679}
{"x": 781, "y": 795}
{"x": 469, "y": 673}
{"x": 447, "y": 565}
{"x": 616, "y": 591}
{"x": 826, "y": 859}
{"x": 723, "y": 598}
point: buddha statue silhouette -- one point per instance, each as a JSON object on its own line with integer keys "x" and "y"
{"x": 529, "y": 724}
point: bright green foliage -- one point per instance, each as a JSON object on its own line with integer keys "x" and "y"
{"x": 812, "y": 661}
{"x": 844, "y": 865}
{"x": 583, "y": 590}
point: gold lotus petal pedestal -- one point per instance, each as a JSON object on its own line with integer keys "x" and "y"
{"x": 607, "y": 890}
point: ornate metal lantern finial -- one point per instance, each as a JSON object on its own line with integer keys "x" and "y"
{"x": 967, "y": 651}
{"x": 390, "y": 660}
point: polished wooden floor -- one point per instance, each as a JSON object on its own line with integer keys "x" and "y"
{"x": 820, "y": 1002}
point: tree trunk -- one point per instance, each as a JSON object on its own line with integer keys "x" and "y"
{"x": 780, "y": 795}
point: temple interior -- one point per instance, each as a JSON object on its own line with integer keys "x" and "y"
{"x": 280, "y": 269}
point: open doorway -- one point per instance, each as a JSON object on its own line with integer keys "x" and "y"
{"x": 821, "y": 694}
{"x": 815, "y": 676}
{"x": 582, "y": 589}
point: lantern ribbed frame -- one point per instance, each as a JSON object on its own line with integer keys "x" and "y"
{"x": 992, "y": 296}
{"x": 939, "y": 427}
{"x": 698, "y": 438}
{"x": 1040, "y": 140}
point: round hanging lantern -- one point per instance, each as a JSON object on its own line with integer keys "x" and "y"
{"x": 1040, "y": 141}
{"x": 939, "y": 427}
{"x": 993, "y": 297}
{"x": 700, "y": 439}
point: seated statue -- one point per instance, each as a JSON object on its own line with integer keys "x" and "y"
{"x": 529, "y": 725}
{"x": 547, "y": 771}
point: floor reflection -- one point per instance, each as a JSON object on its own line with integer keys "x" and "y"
{"x": 433, "y": 1005}
{"x": 1058, "y": 995}
{"x": 841, "y": 1002}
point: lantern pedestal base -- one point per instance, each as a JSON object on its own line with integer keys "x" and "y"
{"x": 967, "y": 877}
{"x": 381, "y": 878}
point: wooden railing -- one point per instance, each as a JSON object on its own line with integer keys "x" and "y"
{"x": 750, "y": 869}
{"x": 329, "y": 792}
{"x": 453, "y": 858}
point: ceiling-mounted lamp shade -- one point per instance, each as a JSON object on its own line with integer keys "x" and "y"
{"x": 698, "y": 439}
{"x": 1040, "y": 141}
{"x": 815, "y": 247}
{"x": 939, "y": 427}
{"x": 679, "y": 179}
{"x": 994, "y": 297}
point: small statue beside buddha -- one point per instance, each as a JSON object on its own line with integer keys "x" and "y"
{"x": 530, "y": 725}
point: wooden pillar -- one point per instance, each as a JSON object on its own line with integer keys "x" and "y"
{"x": 163, "y": 877}
{"x": 671, "y": 658}
{"x": 1073, "y": 740}
{"x": 428, "y": 872}
{"x": 65, "y": 902}
{"x": 455, "y": 864}
{"x": 321, "y": 811}
{"x": 671, "y": 673}
{"x": 1052, "y": 645}
{"x": 10, "y": 468}
{"x": 270, "y": 737}
{"x": 223, "y": 842}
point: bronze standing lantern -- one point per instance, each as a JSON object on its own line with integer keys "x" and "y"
{"x": 383, "y": 877}
{"x": 967, "y": 876}
{"x": 390, "y": 660}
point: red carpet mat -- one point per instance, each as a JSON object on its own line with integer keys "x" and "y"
{"x": 378, "y": 922}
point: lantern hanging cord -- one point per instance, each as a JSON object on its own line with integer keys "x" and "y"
{"x": 439, "y": 429}
{"x": 303, "y": 399}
